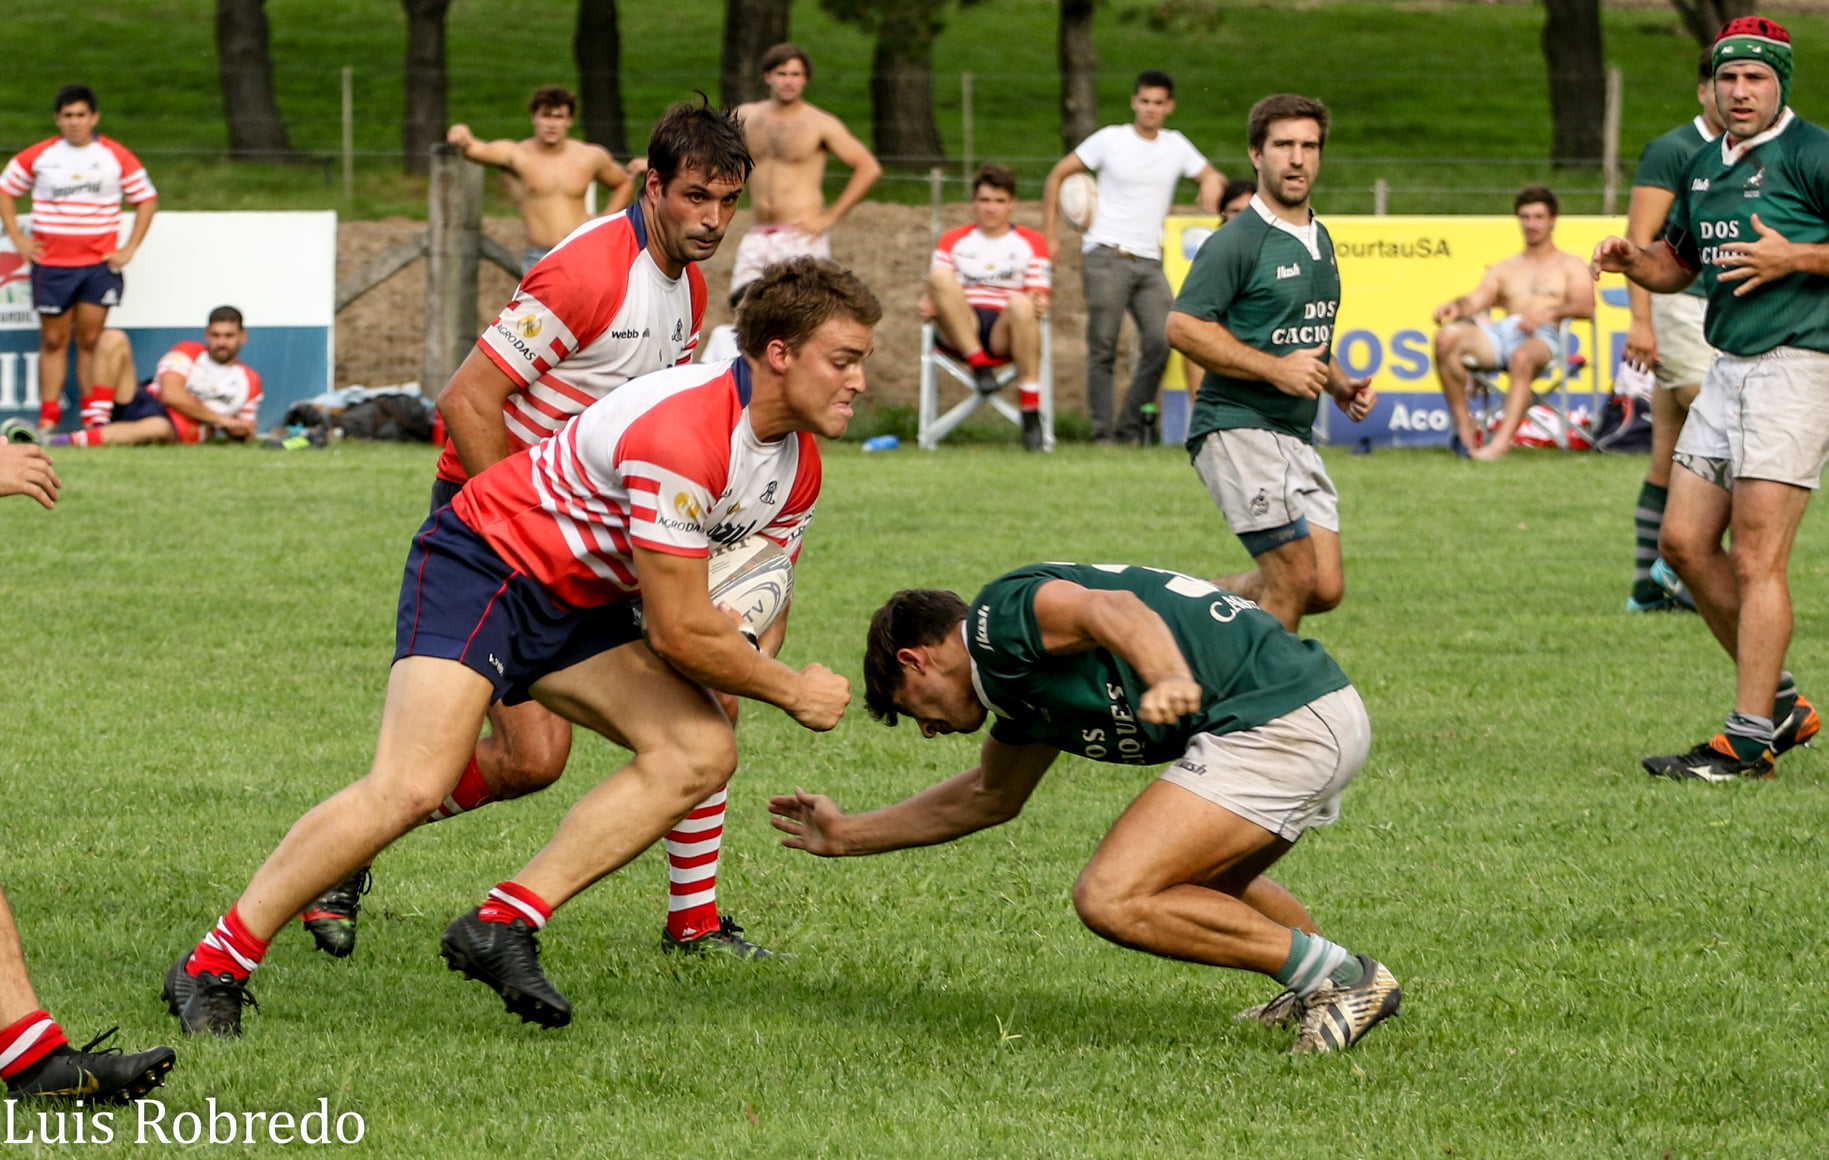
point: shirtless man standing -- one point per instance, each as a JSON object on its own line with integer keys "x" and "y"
{"x": 790, "y": 140}
{"x": 552, "y": 173}
{"x": 1537, "y": 289}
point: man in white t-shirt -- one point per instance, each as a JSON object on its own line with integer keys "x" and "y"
{"x": 1138, "y": 166}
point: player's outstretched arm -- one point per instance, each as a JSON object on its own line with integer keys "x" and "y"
{"x": 1073, "y": 619}
{"x": 687, "y": 632}
{"x": 988, "y": 795}
{"x": 1655, "y": 267}
{"x": 499, "y": 153}
{"x": 25, "y": 469}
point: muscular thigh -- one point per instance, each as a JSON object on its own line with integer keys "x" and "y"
{"x": 634, "y": 698}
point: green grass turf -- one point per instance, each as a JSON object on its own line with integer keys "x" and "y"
{"x": 1445, "y": 101}
{"x": 1594, "y": 964}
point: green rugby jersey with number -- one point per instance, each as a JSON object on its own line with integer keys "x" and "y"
{"x": 1662, "y": 163}
{"x": 1276, "y": 288}
{"x": 1250, "y": 671}
{"x": 1783, "y": 176}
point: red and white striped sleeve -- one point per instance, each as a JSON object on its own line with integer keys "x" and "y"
{"x": 675, "y": 462}
{"x": 1040, "y": 273}
{"x": 251, "y": 409}
{"x": 943, "y": 249}
{"x": 564, "y": 303}
{"x": 16, "y": 179}
{"x": 179, "y": 360}
{"x": 136, "y": 186}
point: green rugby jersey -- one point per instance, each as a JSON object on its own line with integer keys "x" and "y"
{"x": 1276, "y": 290}
{"x": 1662, "y": 163}
{"x": 1783, "y": 176}
{"x": 1251, "y": 671}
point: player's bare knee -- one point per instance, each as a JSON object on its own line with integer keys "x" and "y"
{"x": 113, "y": 342}
{"x": 1327, "y": 595}
{"x": 701, "y": 765}
{"x": 1108, "y": 909}
{"x": 1020, "y": 308}
{"x": 404, "y": 800}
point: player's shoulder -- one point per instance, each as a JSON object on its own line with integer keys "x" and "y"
{"x": 954, "y": 236}
{"x": 29, "y": 156}
{"x": 121, "y": 153}
{"x": 1036, "y": 241}
{"x": 189, "y": 348}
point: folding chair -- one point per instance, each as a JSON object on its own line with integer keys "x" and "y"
{"x": 1486, "y": 398}
{"x": 936, "y": 359}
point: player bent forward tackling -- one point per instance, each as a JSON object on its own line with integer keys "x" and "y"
{"x": 1135, "y": 666}
{"x": 527, "y": 586}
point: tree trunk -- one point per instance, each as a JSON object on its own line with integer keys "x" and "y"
{"x": 423, "y": 125}
{"x": 1578, "y": 82}
{"x": 751, "y": 28}
{"x": 597, "y": 47}
{"x": 902, "y": 87}
{"x": 245, "y": 67}
{"x": 1079, "y": 74}
{"x": 1704, "y": 18}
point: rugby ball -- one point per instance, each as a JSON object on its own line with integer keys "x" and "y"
{"x": 1079, "y": 200}
{"x": 755, "y": 577}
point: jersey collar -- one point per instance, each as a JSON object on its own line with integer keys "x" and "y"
{"x": 639, "y": 224}
{"x": 977, "y": 681}
{"x": 739, "y": 371}
{"x": 1701, "y": 125}
{"x": 1732, "y": 151}
{"x": 1309, "y": 235}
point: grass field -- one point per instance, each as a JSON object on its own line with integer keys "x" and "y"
{"x": 1445, "y": 101}
{"x": 1594, "y": 965}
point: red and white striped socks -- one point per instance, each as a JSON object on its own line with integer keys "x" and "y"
{"x": 98, "y": 406}
{"x": 509, "y": 901}
{"x": 471, "y": 792}
{"x": 230, "y": 949}
{"x": 1029, "y": 396}
{"x": 27, "y": 1041}
{"x": 692, "y": 869}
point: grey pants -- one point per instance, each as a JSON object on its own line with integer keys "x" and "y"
{"x": 1113, "y": 284}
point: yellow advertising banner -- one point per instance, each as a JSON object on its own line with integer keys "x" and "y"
{"x": 1394, "y": 272}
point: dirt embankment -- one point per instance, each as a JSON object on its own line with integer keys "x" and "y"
{"x": 381, "y": 336}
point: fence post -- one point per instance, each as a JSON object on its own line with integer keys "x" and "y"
{"x": 936, "y": 184}
{"x": 349, "y": 133}
{"x": 965, "y": 115}
{"x": 1381, "y": 196}
{"x": 1609, "y": 143}
{"x": 454, "y": 223}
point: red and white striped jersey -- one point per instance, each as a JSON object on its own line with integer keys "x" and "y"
{"x": 231, "y": 391}
{"x": 991, "y": 269}
{"x": 592, "y": 314}
{"x": 76, "y": 196}
{"x": 669, "y": 463}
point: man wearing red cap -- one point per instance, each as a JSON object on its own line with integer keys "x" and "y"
{"x": 1748, "y": 220}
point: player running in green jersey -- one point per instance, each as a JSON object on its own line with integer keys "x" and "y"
{"x": 1666, "y": 337}
{"x": 1751, "y": 220}
{"x": 1135, "y": 666}
{"x": 1256, "y": 312}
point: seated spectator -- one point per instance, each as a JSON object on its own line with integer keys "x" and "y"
{"x": 1235, "y": 197}
{"x": 987, "y": 291}
{"x": 198, "y": 390}
{"x": 1537, "y": 289}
